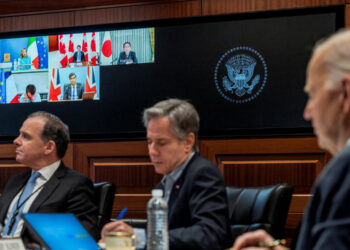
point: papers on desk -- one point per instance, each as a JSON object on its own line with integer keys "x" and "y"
{"x": 11, "y": 244}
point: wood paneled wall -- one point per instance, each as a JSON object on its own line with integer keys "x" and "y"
{"x": 244, "y": 162}
{"x": 18, "y": 15}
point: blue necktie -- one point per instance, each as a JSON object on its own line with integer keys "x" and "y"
{"x": 16, "y": 211}
{"x": 74, "y": 95}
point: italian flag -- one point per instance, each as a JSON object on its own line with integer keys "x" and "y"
{"x": 33, "y": 52}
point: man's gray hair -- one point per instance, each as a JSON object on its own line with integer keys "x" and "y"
{"x": 54, "y": 129}
{"x": 336, "y": 56}
{"x": 182, "y": 114}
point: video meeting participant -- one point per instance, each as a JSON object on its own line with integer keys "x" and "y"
{"x": 193, "y": 187}
{"x": 30, "y": 95}
{"x": 49, "y": 186}
{"x": 127, "y": 56}
{"x": 326, "y": 222}
{"x": 79, "y": 55}
{"x": 73, "y": 90}
{"x": 25, "y": 62}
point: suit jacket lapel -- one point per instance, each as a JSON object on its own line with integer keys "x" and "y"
{"x": 160, "y": 186}
{"x": 48, "y": 188}
{"x": 175, "y": 193}
{"x": 11, "y": 192}
{"x": 178, "y": 185}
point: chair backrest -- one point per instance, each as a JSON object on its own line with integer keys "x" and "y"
{"x": 105, "y": 196}
{"x": 259, "y": 208}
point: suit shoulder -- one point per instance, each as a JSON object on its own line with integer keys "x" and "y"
{"x": 201, "y": 162}
{"x": 201, "y": 165}
{"x": 14, "y": 180}
{"x": 75, "y": 177}
{"x": 340, "y": 164}
{"x": 19, "y": 176}
{"x": 74, "y": 173}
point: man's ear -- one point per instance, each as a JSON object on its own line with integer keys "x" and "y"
{"x": 189, "y": 142}
{"x": 50, "y": 147}
{"x": 346, "y": 93}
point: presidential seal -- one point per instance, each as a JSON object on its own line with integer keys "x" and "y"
{"x": 240, "y": 74}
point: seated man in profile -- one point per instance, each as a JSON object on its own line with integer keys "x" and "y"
{"x": 49, "y": 186}
{"x": 326, "y": 221}
{"x": 79, "y": 55}
{"x": 127, "y": 56}
{"x": 73, "y": 90}
{"x": 193, "y": 187}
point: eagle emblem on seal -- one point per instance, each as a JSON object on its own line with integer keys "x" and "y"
{"x": 240, "y": 70}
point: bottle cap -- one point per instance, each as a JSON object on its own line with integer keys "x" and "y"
{"x": 157, "y": 193}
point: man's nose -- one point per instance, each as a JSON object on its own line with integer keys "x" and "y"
{"x": 16, "y": 141}
{"x": 152, "y": 149}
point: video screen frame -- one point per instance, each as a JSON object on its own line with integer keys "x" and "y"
{"x": 110, "y": 123}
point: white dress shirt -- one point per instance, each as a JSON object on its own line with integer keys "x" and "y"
{"x": 46, "y": 173}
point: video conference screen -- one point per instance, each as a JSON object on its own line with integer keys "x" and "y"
{"x": 66, "y": 67}
{"x": 244, "y": 73}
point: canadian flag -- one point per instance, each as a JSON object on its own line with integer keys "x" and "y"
{"x": 106, "y": 55}
{"x": 93, "y": 49}
{"x": 70, "y": 49}
{"x": 11, "y": 89}
{"x": 85, "y": 48}
{"x": 63, "y": 52}
{"x": 90, "y": 84}
{"x": 55, "y": 86}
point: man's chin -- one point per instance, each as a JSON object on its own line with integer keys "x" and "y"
{"x": 158, "y": 169}
{"x": 324, "y": 144}
{"x": 19, "y": 159}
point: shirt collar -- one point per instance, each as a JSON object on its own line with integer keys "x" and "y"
{"x": 347, "y": 143}
{"x": 175, "y": 174}
{"x": 48, "y": 171}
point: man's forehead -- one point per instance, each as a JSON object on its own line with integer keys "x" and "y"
{"x": 37, "y": 122}
{"x": 160, "y": 127}
{"x": 158, "y": 133}
{"x": 311, "y": 84}
{"x": 315, "y": 72}
{"x": 308, "y": 87}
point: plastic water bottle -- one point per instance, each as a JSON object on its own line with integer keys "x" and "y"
{"x": 15, "y": 65}
{"x": 157, "y": 222}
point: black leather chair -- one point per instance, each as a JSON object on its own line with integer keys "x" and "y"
{"x": 105, "y": 196}
{"x": 259, "y": 208}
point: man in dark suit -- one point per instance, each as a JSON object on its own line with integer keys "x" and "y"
{"x": 41, "y": 145}
{"x": 79, "y": 55}
{"x": 127, "y": 56}
{"x": 193, "y": 187}
{"x": 73, "y": 90}
{"x": 326, "y": 222}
